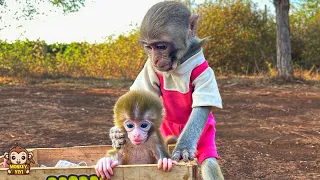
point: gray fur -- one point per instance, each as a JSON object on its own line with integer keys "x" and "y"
{"x": 169, "y": 22}
{"x": 191, "y": 133}
{"x": 161, "y": 19}
{"x": 210, "y": 170}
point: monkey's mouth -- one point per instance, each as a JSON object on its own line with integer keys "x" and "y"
{"x": 166, "y": 67}
{"x": 137, "y": 142}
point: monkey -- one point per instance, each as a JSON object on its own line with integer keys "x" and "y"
{"x": 176, "y": 70}
{"x": 18, "y": 156}
{"x": 139, "y": 113}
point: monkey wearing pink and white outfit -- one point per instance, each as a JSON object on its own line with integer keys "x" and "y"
{"x": 178, "y": 72}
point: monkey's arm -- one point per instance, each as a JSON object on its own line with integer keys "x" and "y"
{"x": 164, "y": 162}
{"x": 205, "y": 97}
{"x": 115, "y": 155}
{"x": 187, "y": 141}
{"x": 159, "y": 151}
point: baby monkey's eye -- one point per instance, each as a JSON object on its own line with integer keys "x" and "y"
{"x": 129, "y": 125}
{"x": 144, "y": 125}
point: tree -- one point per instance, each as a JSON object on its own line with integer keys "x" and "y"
{"x": 31, "y": 7}
{"x": 284, "y": 59}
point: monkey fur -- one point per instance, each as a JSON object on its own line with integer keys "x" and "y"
{"x": 160, "y": 25}
{"x": 139, "y": 105}
{"x": 139, "y": 113}
{"x": 168, "y": 35}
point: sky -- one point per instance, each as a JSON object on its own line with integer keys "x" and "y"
{"x": 93, "y": 23}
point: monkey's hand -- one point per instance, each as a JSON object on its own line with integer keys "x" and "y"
{"x": 184, "y": 150}
{"x": 117, "y": 137}
{"x": 188, "y": 139}
{"x": 104, "y": 167}
{"x": 166, "y": 164}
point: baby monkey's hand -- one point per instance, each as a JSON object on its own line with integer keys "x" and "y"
{"x": 166, "y": 164}
{"x": 104, "y": 167}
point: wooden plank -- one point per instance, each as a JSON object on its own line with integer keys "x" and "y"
{"x": 50, "y": 156}
{"x": 184, "y": 171}
{"x": 89, "y": 154}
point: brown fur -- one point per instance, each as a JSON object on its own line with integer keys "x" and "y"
{"x": 170, "y": 140}
{"x": 139, "y": 105}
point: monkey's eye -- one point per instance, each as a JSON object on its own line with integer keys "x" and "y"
{"x": 161, "y": 46}
{"x": 144, "y": 125}
{"x": 129, "y": 125}
{"x": 147, "y": 47}
{"x": 23, "y": 157}
{"x": 13, "y": 157}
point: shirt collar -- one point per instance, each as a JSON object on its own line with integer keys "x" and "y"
{"x": 190, "y": 63}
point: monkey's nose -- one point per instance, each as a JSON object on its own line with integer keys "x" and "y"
{"x": 136, "y": 136}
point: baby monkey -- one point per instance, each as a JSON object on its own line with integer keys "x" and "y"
{"x": 139, "y": 113}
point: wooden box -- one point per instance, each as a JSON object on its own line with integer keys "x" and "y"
{"x": 91, "y": 154}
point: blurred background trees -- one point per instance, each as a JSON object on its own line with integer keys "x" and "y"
{"x": 241, "y": 41}
{"x": 29, "y": 8}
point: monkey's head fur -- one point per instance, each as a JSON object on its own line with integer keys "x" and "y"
{"x": 172, "y": 22}
{"x": 138, "y": 105}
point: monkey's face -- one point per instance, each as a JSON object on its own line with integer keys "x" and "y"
{"x": 18, "y": 158}
{"x": 137, "y": 130}
{"x": 161, "y": 54}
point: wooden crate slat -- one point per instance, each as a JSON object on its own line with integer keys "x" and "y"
{"x": 128, "y": 172}
{"x": 91, "y": 154}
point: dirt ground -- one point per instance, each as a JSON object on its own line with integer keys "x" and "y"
{"x": 265, "y": 131}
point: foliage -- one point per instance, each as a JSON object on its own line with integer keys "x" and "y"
{"x": 121, "y": 57}
{"x": 28, "y": 8}
{"x": 305, "y": 35}
{"x": 240, "y": 41}
{"x": 241, "y": 38}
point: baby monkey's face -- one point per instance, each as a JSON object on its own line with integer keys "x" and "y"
{"x": 137, "y": 130}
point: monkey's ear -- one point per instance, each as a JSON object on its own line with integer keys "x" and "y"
{"x": 6, "y": 155}
{"x": 30, "y": 155}
{"x": 193, "y": 21}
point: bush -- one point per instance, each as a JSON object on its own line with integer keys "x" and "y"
{"x": 241, "y": 41}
